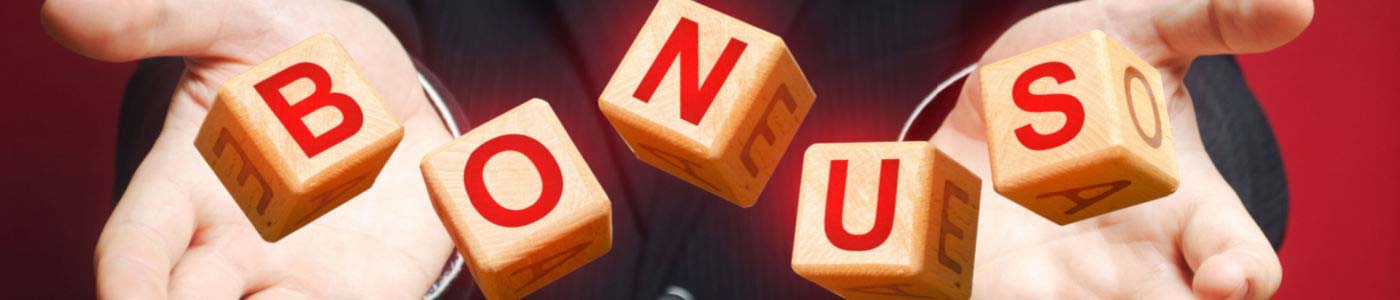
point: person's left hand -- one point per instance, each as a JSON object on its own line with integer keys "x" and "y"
{"x": 1196, "y": 243}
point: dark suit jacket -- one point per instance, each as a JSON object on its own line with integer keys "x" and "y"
{"x": 870, "y": 63}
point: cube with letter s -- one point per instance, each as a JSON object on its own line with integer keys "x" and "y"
{"x": 1078, "y": 128}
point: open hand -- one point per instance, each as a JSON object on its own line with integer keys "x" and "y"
{"x": 1197, "y": 243}
{"x": 177, "y": 233}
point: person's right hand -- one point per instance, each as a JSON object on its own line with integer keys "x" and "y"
{"x": 177, "y": 233}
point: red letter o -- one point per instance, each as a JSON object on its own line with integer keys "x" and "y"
{"x": 551, "y": 180}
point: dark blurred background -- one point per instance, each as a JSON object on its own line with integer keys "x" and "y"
{"x": 1331, "y": 96}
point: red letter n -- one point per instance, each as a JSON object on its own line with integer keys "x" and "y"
{"x": 684, "y": 43}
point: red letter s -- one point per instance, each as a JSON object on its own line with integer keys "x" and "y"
{"x": 1063, "y": 103}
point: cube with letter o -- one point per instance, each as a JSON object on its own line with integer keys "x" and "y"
{"x": 708, "y": 98}
{"x": 1078, "y": 128}
{"x": 892, "y": 220}
{"x": 519, "y": 201}
{"x": 298, "y": 135}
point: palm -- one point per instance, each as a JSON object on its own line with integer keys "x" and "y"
{"x": 1125, "y": 254}
{"x": 351, "y": 252}
{"x": 178, "y": 231}
{"x": 1166, "y": 248}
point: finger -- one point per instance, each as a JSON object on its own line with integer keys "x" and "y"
{"x": 226, "y": 258}
{"x": 119, "y": 31}
{"x": 1167, "y": 282}
{"x": 207, "y": 273}
{"x": 279, "y": 293}
{"x": 225, "y": 267}
{"x": 1200, "y": 27}
{"x": 1228, "y": 276}
{"x": 147, "y": 233}
{"x": 1229, "y": 254}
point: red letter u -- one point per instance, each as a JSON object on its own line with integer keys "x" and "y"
{"x": 884, "y": 209}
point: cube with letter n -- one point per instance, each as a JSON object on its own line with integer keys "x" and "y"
{"x": 708, "y": 98}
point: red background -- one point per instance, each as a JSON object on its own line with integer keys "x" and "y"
{"x": 1329, "y": 95}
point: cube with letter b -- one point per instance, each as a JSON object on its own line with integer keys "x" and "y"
{"x": 893, "y": 220}
{"x": 1077, "y": 129}
{"x": 708, "y": 98}
{"x": 297, "y": 136}
{"x": 519, "y": 201}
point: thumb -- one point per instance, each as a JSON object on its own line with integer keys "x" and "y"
{"x": 1202, "y": 27}
{"x": 119, "y": 31}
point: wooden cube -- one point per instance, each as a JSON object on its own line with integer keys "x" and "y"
{"x": 297, "y": 136}
{"x": 708, "y": 98}
{"x": 519, "y": 201}
{"x": 1078, "y": 128}
{"x": 895, "y": 220}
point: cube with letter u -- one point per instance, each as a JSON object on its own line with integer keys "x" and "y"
{"x": 708, "y": 98}
{"x": 297, "y": 136}
{"x": 892, "y": 220}
{"x": 519, "y": 201}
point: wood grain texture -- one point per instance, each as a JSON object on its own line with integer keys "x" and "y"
{"x": 755, "y": 111}
{"x": 1122, "y": 156}
{"x": 926, "y": 247}
{"x": 509, "y": 250}
{"x": 278, "y": 183}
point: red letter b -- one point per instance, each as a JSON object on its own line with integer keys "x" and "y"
{"x": 290, "y": 115}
